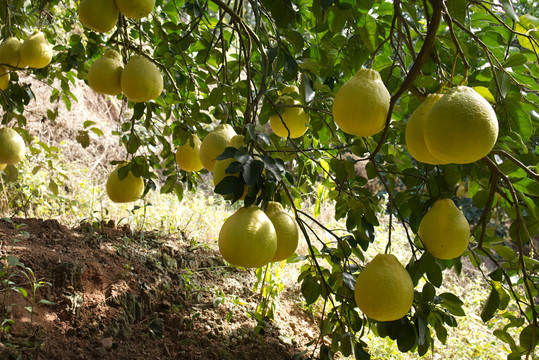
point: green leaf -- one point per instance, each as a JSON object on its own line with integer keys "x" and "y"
{"x": 46, "y": 302}
{"x": 349, "y": 280}
{"x": 529, "y": 337}
{"x": 407, "y": 338}
{"x": 325, "y": 353}
{"x": 505, "y": 252}
{"x": 484, "y": 92}
{"x": 83, "y": 138}
{"x": 13, "y": 260}
{"x": 452, "y": 304}
{"x": 505, "y": 337}
{"x": 441, "y": 332}
{"x": 138, "y": 110}
{"x": 216, "y": 96}
{"x": 422, "y": 330}
{"x": 504, "y": 296}
{"x": 457, "y": 10}
{"x": 428, "y": 292}
{"x": 311, "y": 289}
{"x": 527, "y": 186}
{"x": 252, "y": 172}
{"x": 227, "y": 186}
{"x": 296, "y": 40}
{"x": 509, "y": 11}
{"x": 53, "y": 187}
{"x": 133, "y": 144}
{"x": 361, "y": 353}
{"x": 434, "y": 274}
{"x": 515, "y": 59}
{"x": 21, "y": 291}
{"x": 491, "y": 305}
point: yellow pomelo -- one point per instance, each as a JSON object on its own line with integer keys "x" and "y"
{"x": 36, "y": 51}
{"x": 248, "y": 238}
{"x": 384, "y": 290}
{"x": 105, "y": 73}
{"x": 10, "y": 53}
{"x": 444, "y": 231}
{"x": 415, "y": 140}
{"x": 461, "y": 127}
{"x": 98, "y": 15}
{"x": 294, "y": 118}
{"x": 4, "y": 78}
{"x": 124, "y": 190}
{"x": 141, "y": 79}
{"x": 187, "y": 155}
{"x": 361, "y": 105}
{"x": 12, "y": 147}
{"x": 135, "y": 9}
{"x": 286, "y": 229}
{"x": 214, "y": 144}
{"x": 219, "y": 168}
{"x": 290, "y": 89}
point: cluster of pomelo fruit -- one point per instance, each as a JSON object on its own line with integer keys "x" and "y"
{"x": 250, "y": 237}
{"x": 458, "y": 127}
{"x": 34, "y": 52}
{"x": 102, "y": 15}
{"x": 384, "y": 290}
{"x": 140, "y": 80}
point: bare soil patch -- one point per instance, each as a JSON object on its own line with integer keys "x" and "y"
{"x": 119, "y": 295}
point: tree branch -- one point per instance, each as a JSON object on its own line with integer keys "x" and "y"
{"x": 421, "y": 59}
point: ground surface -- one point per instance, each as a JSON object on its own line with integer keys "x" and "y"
{"x": 118, "y": 296}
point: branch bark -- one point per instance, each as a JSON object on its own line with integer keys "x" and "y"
{"x": 422, "y": 58}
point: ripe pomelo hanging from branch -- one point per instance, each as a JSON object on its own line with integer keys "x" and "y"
{"x": 98, "y": 15}
{"x": 105, "y": 73}
{"x": 214, "y": 144}
{"x": 414, "y": 134}
{"x": 36, "y": 51}
{"x": 461, "y": 127}
{"x": 444, "y": 230}
{"x": 127, "y": 189}
{"x": 286, "y": 229}
{"x": 5, "y": 76}
{"x": 135, "y": 9}
{"x": 12, "y": 147}
{"x": 10, "y": 53}
{"x": 361, "y": 105}
{"x": 248, "y": 238}
{"x": 141, "y": 79}
{"x": 188, "y": 154}
{"x": 384, "y": 290}
{"x": 293, "y": 119}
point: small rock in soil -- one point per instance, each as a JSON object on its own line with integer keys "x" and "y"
{"x": 107, "y": 343}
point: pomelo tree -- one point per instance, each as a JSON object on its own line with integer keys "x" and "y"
{"x": 228, "y": 62}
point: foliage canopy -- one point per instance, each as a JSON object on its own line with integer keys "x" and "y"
{"x": 227, "y": 62}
